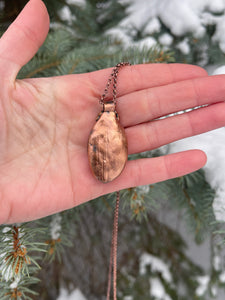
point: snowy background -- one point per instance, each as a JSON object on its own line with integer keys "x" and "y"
{"x": 185, "y": 17}
{"x": 181, "y": 17}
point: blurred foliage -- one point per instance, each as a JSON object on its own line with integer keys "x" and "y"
{"x": 77, "y": 45}
{"x": 202, "y": 51}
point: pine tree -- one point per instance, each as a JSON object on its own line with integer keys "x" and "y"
{"x": 71, "y": 249}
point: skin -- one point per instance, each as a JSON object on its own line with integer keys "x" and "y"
{"x": 45, "y": 124}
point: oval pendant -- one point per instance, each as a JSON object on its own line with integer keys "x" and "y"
{"x": 107, "y": 145}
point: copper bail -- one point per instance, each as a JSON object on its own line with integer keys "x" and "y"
{"x": 109, "y": 106}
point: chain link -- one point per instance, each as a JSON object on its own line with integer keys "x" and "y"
{"x": 113, "y": 77}
{"x": 113, "y": 253}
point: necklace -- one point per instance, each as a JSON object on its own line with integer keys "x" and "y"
{"x": 107, "y": 144}
{"x": 107, "y": 154}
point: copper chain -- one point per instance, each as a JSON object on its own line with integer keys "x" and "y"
{"x": 113, "y": 251}
{"x": 113, "y": 76}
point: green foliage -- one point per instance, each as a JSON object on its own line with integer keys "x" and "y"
{"x": 61, "y": 55}
{"x": 156, "y": 239}
{"x": 19, "y": 256}
{"x": 194, "y": 197}
{"x": 83, "y": 44}
{"x": 93, "y": 18}
{"x": 9, "y": 11}
{"x": 59, "y": 231}
{"x": 203, "y": 50}
{"x": 24, "y": 248}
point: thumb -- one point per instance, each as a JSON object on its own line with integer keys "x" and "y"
{"x": 23, "y": 38}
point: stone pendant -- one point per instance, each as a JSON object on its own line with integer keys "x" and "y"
{"x": 107, "y": 145}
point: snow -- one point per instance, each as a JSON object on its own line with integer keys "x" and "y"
{"x": 121, "y": 35}
{"x": 203, "y": 282}
{"x": 214, "y": 291}
{"x": 6, "y": 229}
{"x": 222, "y": 277}
{"x": 157, "y": 290}
{"x": 219, "y": 34}
{"x": 144, "y": 189}
{"x": 140, "y": 12}
{"x": 212, "y": 143}
{"x": 156, "y": 264}
{"x": 79, "y": 2}
{"x": 75, "y": 295}
{"x": 213, "y": 6}
{"x": 66, "y": 13}
{"x": 178, "y": 15}
{"x": 219, "y": 70}
{"x": 181, "y": 18}
{"x": 184, "y": 46}
{"x": 5, "y": 269}
{"x": 147, "y": 42}
{"x": 166, "y": 39}
{"x": 216, "y": 5}
{"x": 152, "y": 26}
{"x": 217, "y": 263}
{"x": 14, "y": 284}
{"x": 55, "y": 226}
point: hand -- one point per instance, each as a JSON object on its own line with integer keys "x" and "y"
{"x": 45, "y": 124}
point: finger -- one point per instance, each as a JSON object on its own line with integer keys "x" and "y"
{"x": 152, "y": 170}
{"x": 154, "y": 134}
{"x": 23, "y": 38}
{"x": 149, "y": 104}
{"x": 138, "y": 77}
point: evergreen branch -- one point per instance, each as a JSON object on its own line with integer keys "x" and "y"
{"x": 16, "y": 266}
{"x": 84, "y": 47}
{"x": 191, "y": 205}
{"x": 89, "y": 59}
{"x": 42, "y": 68}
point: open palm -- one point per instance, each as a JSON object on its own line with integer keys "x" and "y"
{"x": 45, "y": 124}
